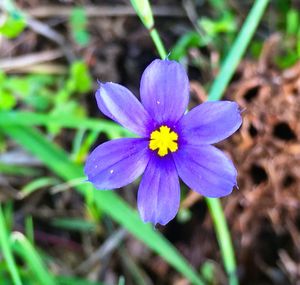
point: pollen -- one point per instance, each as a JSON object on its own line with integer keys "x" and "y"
{"x": 163, "y": 140}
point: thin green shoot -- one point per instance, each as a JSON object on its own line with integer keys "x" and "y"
{"x": 74, "y": 224}
{"x": 224, "y": 239}
{"x": 21, "y": 245}
{"x": 6, "y": 251}
{"x": 37, "y": 184}
{"x": 29, "y": 229}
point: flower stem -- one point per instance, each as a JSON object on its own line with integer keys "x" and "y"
{"x": 158, "y": 43}
{"x": 224, "y": 239}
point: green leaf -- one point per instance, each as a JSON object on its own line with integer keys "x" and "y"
{"x": 81, "y": 77}
{"x": 12, "y": 24}
{"x": 78, "y": 17}
{"x": 78, "y": 23}
{"x": 219, "y": 5}
{"x": 226, "y": 24}
{"x": 65, "y": 280}
{"x": 208, "y": 271}
{"x": 108, "y": 201}
{"x": 74, "y": 224}
{"x": 292, "y": 22}
{"x": 287, "y": 60}
{"x": 65, "y": 121}
{"x": 256, "y": 48}
{"x": 7, "y": 101}
{"x": 82, "y": 37}
{"x": 69, "y": 107}
{"x": 33, "y": 90}
{"x": 18, "y": 170}
{"x": 188, "y": 40}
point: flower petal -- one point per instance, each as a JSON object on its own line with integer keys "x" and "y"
{"x": 165, "y": 90}
{"x": 119, "y": 104}
{"x": 117, "y": 163}
{"x": 210, "y": 122}
{"x": 206, "y": 170}
{"x": 159, "y": 191}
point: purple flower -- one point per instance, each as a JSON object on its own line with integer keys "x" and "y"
{"x": 171, "y": 144}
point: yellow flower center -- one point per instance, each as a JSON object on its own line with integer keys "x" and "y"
{"x": 164, "y": 140}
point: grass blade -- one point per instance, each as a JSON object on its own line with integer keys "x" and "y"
{"x": 65, "y": 280}
{"x": 73, "y": 224}
{"x": 38, "y": 184}
{"x": 6, "y": 251}
{"x": 224, "y": 239}
{"x": 218, "y": 87}
{"x": 57, "y": 160}
{"x": 17, "y": 170}
{"x": 38, "y": 119}
{"x": 237, "y": 51}
{"x": 23, "y": 247}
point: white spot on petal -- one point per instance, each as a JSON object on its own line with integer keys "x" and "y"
{"x": 111, "y": 171}
{"x": 157, "y": 102}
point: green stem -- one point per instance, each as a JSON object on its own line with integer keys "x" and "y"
{"x": 158, "y": 43}
{"x": 224, "y": 239}
{"x": 6, "y": 251}
{"x": 237, "y": 51}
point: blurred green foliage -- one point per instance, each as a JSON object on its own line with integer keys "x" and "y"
{"x": 78, "y": 25}
{"x": 187, "y": 41}
{"x": 72, "y": 224}
{"x": 226, "y": 24}
{"x": 35, "y": 92}
{"x": 208, "y": 272}
{"x": 219, "y": 31}
{"x": 290, "y": 46}
{"x": 12, "y": 24}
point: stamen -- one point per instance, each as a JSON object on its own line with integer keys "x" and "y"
{"x": 164, "y": 140}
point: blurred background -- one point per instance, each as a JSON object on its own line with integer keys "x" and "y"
{"x": 55, "y": 229}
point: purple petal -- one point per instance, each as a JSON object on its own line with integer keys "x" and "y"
{"x": 165, "y": 90}
{"x": 119, "y": 104}
{"x": 210, "y": 122}
{"x": 117, "y": 163}
{"x": 159, "y": 191}
{"x": 206, "y": 170}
